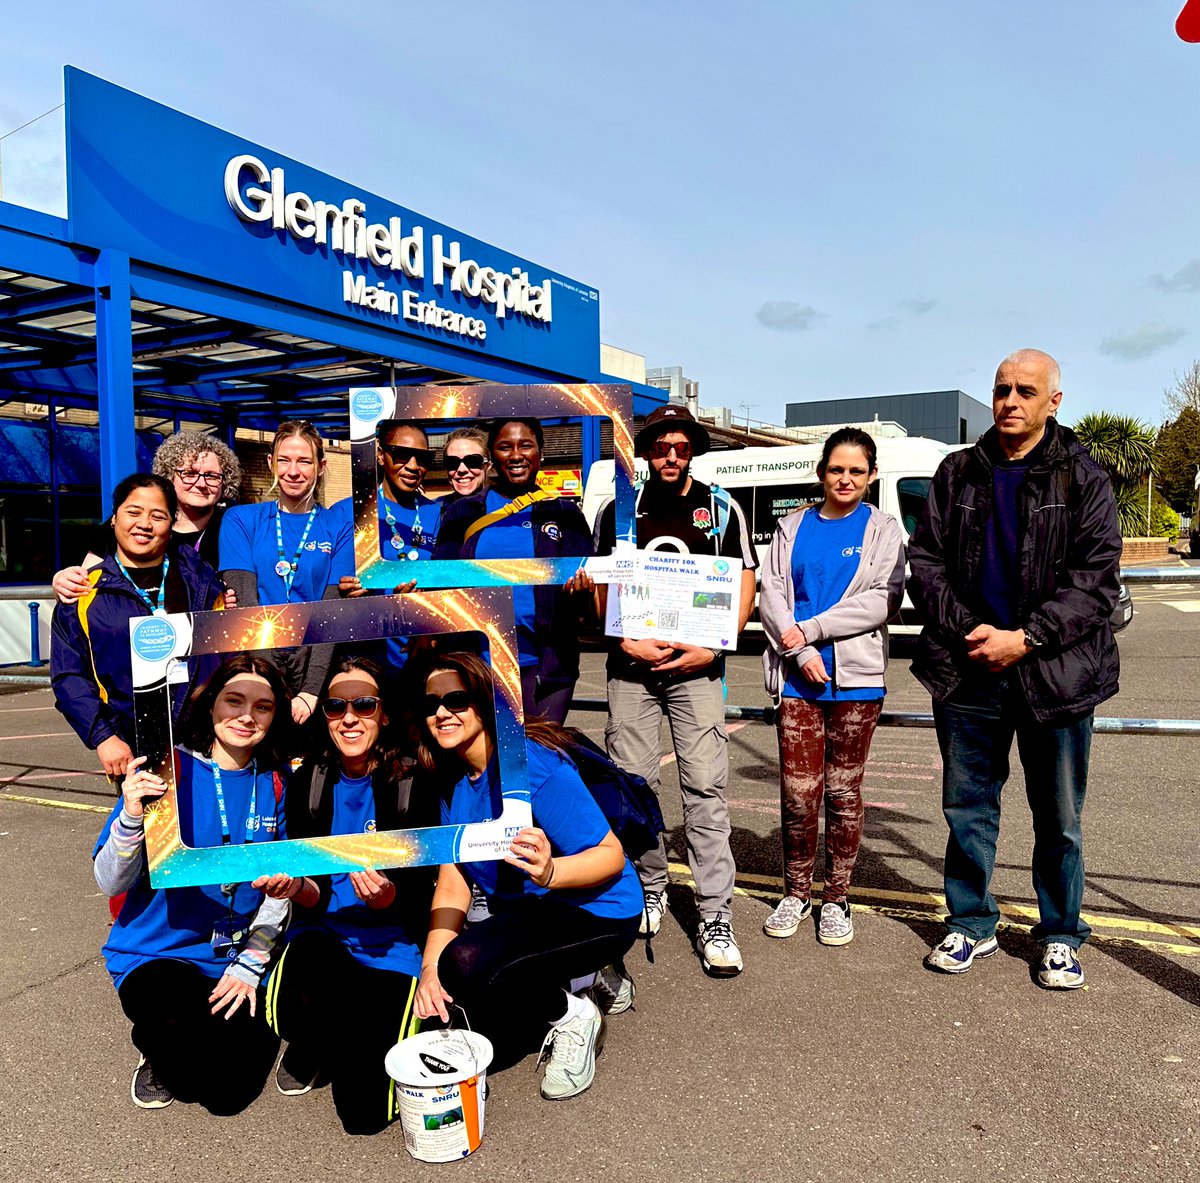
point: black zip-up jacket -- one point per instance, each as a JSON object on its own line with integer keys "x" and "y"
{"x": 1069, "y": 553}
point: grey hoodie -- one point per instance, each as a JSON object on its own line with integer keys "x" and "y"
{"x": 856, "y": 624}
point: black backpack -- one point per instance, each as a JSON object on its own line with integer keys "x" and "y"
{"x": 626, "y": 800}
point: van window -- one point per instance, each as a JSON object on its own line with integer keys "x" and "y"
{"x": 771, "y": 502}
{"x": 912, "y": 491}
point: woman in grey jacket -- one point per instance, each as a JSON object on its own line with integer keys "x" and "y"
{"x": 833, "y": 576}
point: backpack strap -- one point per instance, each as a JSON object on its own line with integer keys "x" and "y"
{"x": 514, "y": 506}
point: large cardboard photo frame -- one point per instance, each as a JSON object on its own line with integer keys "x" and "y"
{"x": 160, "y": 643}
{"x": 371, "y": 406}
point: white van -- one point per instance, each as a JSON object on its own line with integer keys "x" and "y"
{"x": 770, "y": 482}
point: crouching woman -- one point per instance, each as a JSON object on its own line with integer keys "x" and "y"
{"x": 342, "y": 993}
{"x": 564, "y": 902}
{"x": 187, "y": 961}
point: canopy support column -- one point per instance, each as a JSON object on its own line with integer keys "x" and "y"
{"x": 114, "y": 371}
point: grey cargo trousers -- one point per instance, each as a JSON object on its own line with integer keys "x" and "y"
{"x": 695, "y": 710}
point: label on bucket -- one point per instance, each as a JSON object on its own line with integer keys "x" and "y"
{"x": 442, "y": 1118}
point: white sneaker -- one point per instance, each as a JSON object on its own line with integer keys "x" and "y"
{"x": 652, "y": 915}
{"x": 1060, "y": 968}
{"x": 719, "y": 952}
{"x": 785, "y": 921}
{"x": 957, "y": 951}
{"x": 478, "y": 909}
{"x": 570, "y": 1050}
{"x": 614, "y": 990}
{"x": 835, "y": 926}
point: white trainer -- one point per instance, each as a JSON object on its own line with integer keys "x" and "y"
{"x": 718, "y": 949}
{"x": 569, "y": 1051}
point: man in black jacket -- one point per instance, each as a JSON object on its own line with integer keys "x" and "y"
{"x": 1015, "y": 568}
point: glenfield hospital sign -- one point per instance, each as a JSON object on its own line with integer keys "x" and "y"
{"x": 257, "y": 193}
{"x": 174, "y": 192}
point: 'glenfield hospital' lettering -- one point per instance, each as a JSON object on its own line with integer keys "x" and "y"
{"x": 259, "y": 194}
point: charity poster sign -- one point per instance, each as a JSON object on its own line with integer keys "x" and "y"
{"x": 694, "y": 599}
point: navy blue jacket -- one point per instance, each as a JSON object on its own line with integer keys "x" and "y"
{"x": 91, "y": 669}
{"x": 556, "y": 635}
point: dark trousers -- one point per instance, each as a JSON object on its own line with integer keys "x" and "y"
{"x": 216, "y": 1062}
{"x": 975, "y": 728}
{"x": 509, "y": 973}
{"x": 344, "y": 1016}
{"x": 553, "y": 704}
{"x": 823, "y": 750}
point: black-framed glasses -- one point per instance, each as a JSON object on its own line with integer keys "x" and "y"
{"x": 473, "y": 460}
{"x": 402, "y": 454}
{"x": 660, "y": 450}
{"x": 364, "y": 707}
{"x": 190, "y": 476}
{"x": 456, "y": 701}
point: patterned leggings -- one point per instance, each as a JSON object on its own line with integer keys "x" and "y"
{"x": 823, "y": 750}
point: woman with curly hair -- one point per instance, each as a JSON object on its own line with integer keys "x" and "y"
{"x": 206, "y": 475}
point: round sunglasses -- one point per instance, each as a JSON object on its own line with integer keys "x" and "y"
{"x": 364, "y": 707}
{"x": 456, "y": 701}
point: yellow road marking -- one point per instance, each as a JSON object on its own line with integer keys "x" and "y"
{"x": 885, "y": 902}
{"x": 56, "y": 804}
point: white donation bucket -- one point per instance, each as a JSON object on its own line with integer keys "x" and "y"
{"x": 440, "y": 1079}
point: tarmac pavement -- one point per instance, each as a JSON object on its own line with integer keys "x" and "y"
{"x": 815, "y": 1064}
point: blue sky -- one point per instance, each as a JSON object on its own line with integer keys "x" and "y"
{"x": 793, "y": 200}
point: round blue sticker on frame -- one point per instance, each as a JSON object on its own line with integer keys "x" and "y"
{"x": 154, "y": 639}
{"x": 366, "y": 404}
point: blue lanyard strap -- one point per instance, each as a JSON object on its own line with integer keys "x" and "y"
{"x": 397, "y": 540}
{"x": 220, "y": 793}
{"x": 144, "y": 595}
{"x": 284, "y": 569}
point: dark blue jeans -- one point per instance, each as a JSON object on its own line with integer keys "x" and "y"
{"x": 975, "y": 728}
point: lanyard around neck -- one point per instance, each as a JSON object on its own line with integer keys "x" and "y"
{"x": 159, "y": 609}
{"x": 220, "y": 794}
{"x": 284, "y": 569}
{"x": 419, "y": 537}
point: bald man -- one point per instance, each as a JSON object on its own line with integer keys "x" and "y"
{"x": 1015, "y": 568}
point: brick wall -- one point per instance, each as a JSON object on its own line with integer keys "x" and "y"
{"x": 1145, "y": 550}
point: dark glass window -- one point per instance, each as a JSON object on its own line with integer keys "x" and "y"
{"x": 912, "y": 491}
{"x": 31, "y": 550}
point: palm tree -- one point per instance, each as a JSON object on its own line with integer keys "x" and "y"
{"x": 1124, "y": 448}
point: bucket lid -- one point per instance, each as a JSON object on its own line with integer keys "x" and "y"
{"x": 438, "y": 1057}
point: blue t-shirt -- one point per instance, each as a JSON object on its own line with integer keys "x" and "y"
{"x": 563, "y": 807}
{"x": 825, "y": 558}
{"x": 179, "y": 922}
{"x": 408, "y": 532}
{"x": 249, "y": 543}
{"x": 512, "y": 538}
{"x": 379, "y": 946}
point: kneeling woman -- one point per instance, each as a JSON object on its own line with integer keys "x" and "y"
{"x": 342, "y": 993}
{"x": 187, "y": 961}
{"x": 565, "y": 902}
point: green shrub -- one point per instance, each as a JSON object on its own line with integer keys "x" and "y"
{"x": 1164, "y": 522}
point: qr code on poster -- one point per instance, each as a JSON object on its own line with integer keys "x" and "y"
{"x": 668, "y": 620}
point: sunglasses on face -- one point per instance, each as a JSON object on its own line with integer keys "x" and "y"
{"x": 455, "y": 702}
{"x": 402, "y": 454}
{"x": 660, "y": 450}
{"x": 474, "y": 461}
{"x": 364, "y": 707}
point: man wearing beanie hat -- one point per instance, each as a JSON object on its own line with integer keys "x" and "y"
{"x": 647, "y": 679}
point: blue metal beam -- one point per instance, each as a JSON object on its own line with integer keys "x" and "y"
{"x": 114, "y": 371}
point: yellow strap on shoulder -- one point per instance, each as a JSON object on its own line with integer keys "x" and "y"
{"x": 81, "y": 606}
{"x": 514, "y": 506}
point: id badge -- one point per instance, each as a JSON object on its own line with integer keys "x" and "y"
{"x": 177, "y": 673}
{"x": 225, "y": 938}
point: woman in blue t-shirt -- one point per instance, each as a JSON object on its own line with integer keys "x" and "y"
{"x": 833, "y": 576}
{"x": 514, "y": 518}
{"x": 343, "y": 991}
{"x": 187, "y": 961}
{"x": 564, "y": 902}
{"x": 292, "y": 550}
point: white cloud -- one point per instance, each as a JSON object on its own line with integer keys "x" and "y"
{"x": 1186, "y": 279}
{"x": 786, "y": 316}
{"x": 1141, "y": 342}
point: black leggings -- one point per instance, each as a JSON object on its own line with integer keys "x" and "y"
{"x": 346, "y": 1016}
{"x": 509, "y": 973}
{"x": 216, "y": 1062}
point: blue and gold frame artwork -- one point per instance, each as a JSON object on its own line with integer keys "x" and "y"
{"x": 372, "y": 406}
{"x": 161, "y": 643}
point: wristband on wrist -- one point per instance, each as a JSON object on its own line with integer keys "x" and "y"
{"x": 551, "y": 877}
